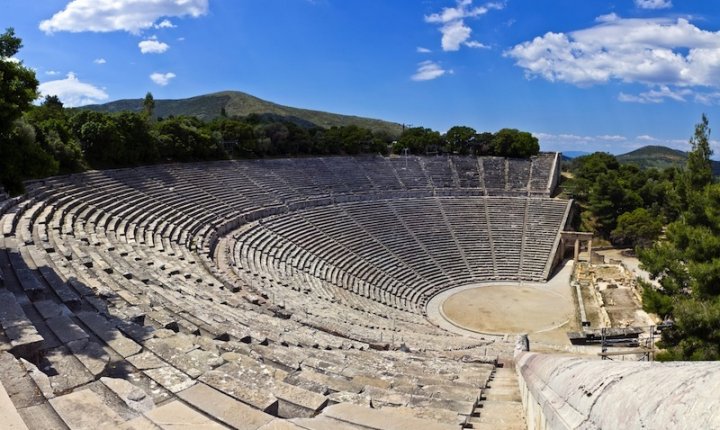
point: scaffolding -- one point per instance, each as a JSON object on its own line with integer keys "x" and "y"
{"x": 642, "y": 346}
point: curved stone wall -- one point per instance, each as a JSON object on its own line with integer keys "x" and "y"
{"x": 564, "y": 392}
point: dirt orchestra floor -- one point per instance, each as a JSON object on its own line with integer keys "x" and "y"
{"x": 496, "y": 309}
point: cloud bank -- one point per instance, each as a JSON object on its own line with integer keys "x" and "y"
{"x": 73, "y": 92}
{"x": 120, "y": 15}
{"x": 672, "y": 57}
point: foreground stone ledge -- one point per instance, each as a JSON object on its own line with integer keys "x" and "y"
{"x": 563, "y": 392}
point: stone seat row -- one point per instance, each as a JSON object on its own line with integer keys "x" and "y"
{"x": 326, "y": 244}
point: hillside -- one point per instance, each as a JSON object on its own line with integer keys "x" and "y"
{"x": 659, "y": 157}
{"x": 236, "y": 103}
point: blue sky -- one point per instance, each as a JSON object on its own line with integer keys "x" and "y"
{"x": 581, "y": 75}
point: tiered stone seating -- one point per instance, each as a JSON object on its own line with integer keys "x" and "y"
{"x": 290, "y": 291}
{"x": 441, "y": 172}
{"x": 495, "y": 171}
{"x": 467, "y": 170}
{"x": 410, "y": 248}
{"x": 518, "y": 174}
{"x": 543, "y": 169}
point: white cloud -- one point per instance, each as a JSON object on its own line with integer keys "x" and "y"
{"x": 712, "y": 98}
{"x": 607, "y": 18}
{"x": 476, "y": 44}
{"x": 455, "y": 32}
{"x": 120, "y": 15}
{"x": 99, "y": 61}
{"x": 162, "y": 79}
{"x": 165, "y": 23}
{"x": 422, "y": 50}
{"x": 52, "y": 72}
{"x": 72, "y": 92}
{"x": 153, "y": 46}
{"x": 668, "y": 56}
{"x": 428, "y": 70}
{"x": 657, "y": 95}
{"x": 653, "y": 4}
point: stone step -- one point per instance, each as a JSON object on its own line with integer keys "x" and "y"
{"x": 375, "y": 419}
{"x": 11, "y": 419}
{"x": 177, "y": 415}
{"x": 85, "y": 410}
{"x": 498, "y": 426}
{"x": 224, "y": 408}
{"x": 499, "y": 394}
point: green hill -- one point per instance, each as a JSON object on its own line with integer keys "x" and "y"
{"x": 659, "y": 157}
{"x": 236, "y": 103}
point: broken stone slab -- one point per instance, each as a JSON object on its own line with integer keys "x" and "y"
{"x": 85, "y": 410}
{"x": 157, "y": 392}
{"x": 64, "y": 370}
{"x": 224, "y": 408}
{"x": 41, "y": 380}
{"x": 134, "y": 397}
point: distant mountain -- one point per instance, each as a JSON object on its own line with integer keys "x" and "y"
{"x": 569, "y": 155}
{"x": 659, "y": 157}
{"x": 236, "y": 103}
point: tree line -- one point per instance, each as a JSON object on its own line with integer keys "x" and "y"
{"x": 47, "y": 139}
{"x": 672, "y": 218}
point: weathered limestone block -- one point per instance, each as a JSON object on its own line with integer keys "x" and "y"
{"x": 103, "y": 329}
{"x": 224, "y": 408}
{"x": 380, "y": 419}
{"x": 134, "y": 397}
{"x": 85, "y": 410}
{"x": 175, "y": 415}
{"x": 91, "y": 355}
{"x": 170, "y": 378}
